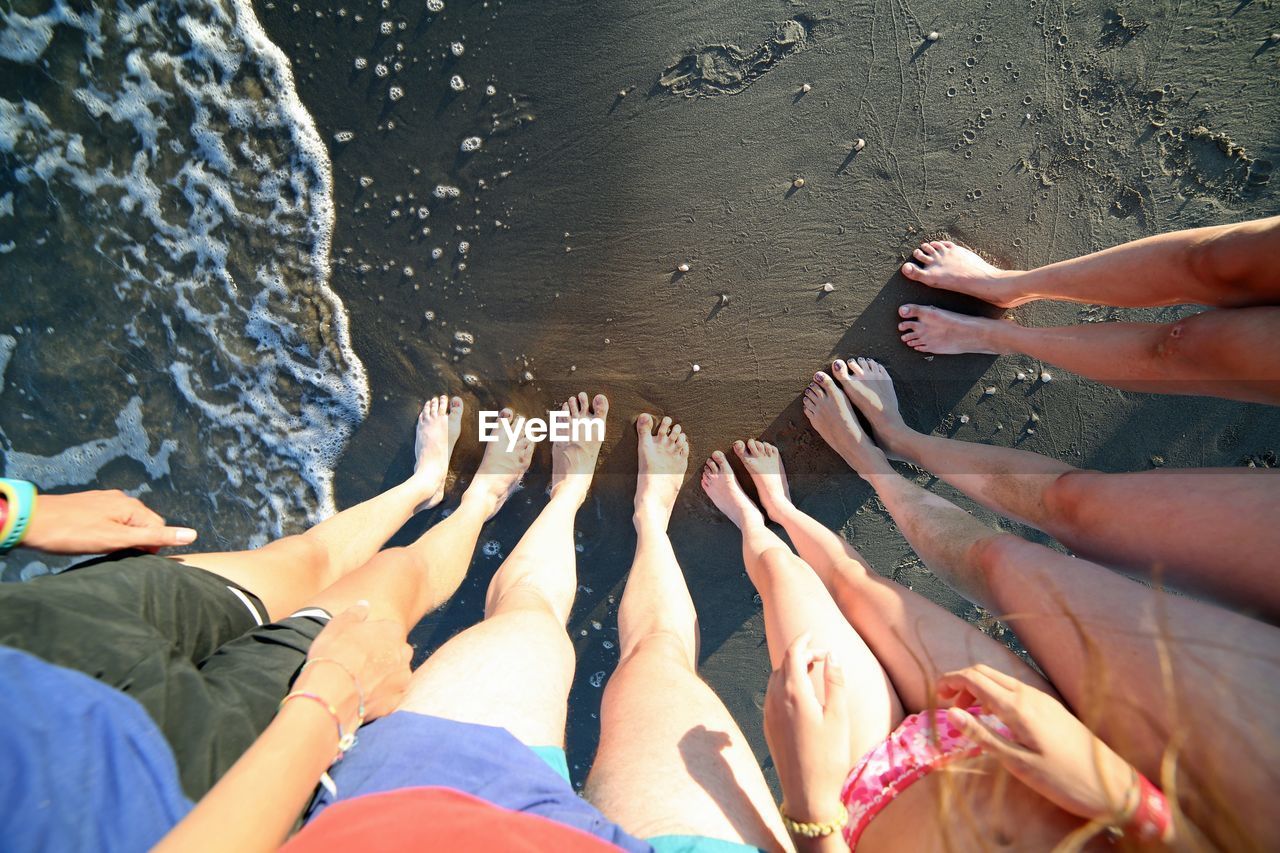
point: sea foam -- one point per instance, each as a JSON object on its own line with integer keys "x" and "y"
{"x": 173, "y": 181}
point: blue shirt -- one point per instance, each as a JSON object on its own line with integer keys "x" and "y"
{"x": 82, "y": 766}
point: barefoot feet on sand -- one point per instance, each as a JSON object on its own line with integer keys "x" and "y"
{"x": 573, "y": 462}
{"x": 933, "y": 330}
{"x": 868, "y": 386}
{"x": 501, "y": 469}
{"x": 831, "y": 414}
{"x": 764, "y": 463}
{"x": 438, "y": 427}
{"x": 664, "y": 457}
{"x": 723, "y": 489}
{"x": 946, "y": 266}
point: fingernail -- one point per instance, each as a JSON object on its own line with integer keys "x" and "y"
{"x": 184, "y": 536}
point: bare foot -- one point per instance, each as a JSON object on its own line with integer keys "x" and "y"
{"x": 439, "y": 425}
{"x": 500, "y": 470}
{"x": 829, "y": 411}
{"x": 723, "y": 489}
{"x": 664, "y": 457}
{"x": 868, "y": 386}
{"x": 764, "y": 463}
{"x": 573, "y": 462}
{"x": 946, "y": 266}
{"x": 933, "y": 330}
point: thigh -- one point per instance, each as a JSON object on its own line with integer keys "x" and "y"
{"x": 796, "y": 602}
{"x": 511, "y": 671}
{"x": 671, "y": 759}
{"x": 1207, "y": 529}
{"x": 284, "y": 574}
{"x": 1151, "y": 673}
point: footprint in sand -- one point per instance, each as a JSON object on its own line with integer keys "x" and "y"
{"x": 726, "y": 69}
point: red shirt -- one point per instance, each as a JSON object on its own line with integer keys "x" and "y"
{"x": 436, "y": 819}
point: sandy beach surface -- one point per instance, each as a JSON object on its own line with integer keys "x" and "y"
{"x": 626, "y": 139}
{"x": 618, "y": 141}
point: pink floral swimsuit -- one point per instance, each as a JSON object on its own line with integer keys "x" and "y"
{"x": 916, "y": 748}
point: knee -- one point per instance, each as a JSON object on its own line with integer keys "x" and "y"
{"x": 306, "y": 550}
{"x": 1226, "y": 260}
{"x": 668, "y": 648}
{"x": 1178, "y": 350}
{"x": 994, "y": 557}
{"x": 1067, "y": 499}
{"x": 773, "y": 566}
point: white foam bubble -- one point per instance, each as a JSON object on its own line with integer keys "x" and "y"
{"x": 219, "y": 232}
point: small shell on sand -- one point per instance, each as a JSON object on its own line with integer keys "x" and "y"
{"x": 457, "y": 48}
{"x": 456, "y": 83}
{"x": 697, "y": 367}
{"x": 724, "y": 299}
{"x": 470, "y": 144}
{"x": 1046, "y": 376}
{"x": 491, "y": 90}
{"x": 435, "y": 5}
{"x": 933, "y": 36}
{"x": 798, "y": 183}
{"x": 1035, "y": 418}
{"x": 859, "y": 144}
{"x": 806, "y": 88}
{"x": 684, "y": 268}
{"x": 437, "y": 253}
{"x": 964, "y": 419}
{"x": 1021, "y": 377}
{"x": 989, "y": 391}
{"x": 622, "y": 93}
{"x": 828, "y": 288}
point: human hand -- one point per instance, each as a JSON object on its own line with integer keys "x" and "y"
{"x": 98, "y": 522}
{"x": 808, "y": 736}
{"x": 372, "y": 652}
{"x": 1051, "y": 751}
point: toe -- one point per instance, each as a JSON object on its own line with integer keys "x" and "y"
{"x": 937, "y": 245}
{"x": 769, "y": 449}
{"x": 851, "y": 366}
{"x": 948, "y": 244}
{"x": 644, "y": 424}
{"x": 910, "y": 337}
{"x": 919, "y": 255}
{"x": 740, "y": 447}
{"x": 664, "y": 428}
{"x": 582, "y": 402}
{"x": 926, "y": 249}
{"x": 839, "y": 368}
{"x": 506, "y": 414}
{"x": 682, "y": 444}
{"x": 600, "y": 405}
{"x": 826, "y": 382}
{"x": 754, "y": 447}
{"x": 675, "y": 432}
{"x": 455, "y": 405}
{"x": 812, "y": 393}
{"x": 571, "y": 406}
{"x": 912, "y": 271}
{"x": 909, "y": 310}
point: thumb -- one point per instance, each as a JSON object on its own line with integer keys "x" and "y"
{"x": 980, "y": 734}
{"x": 353, "y": 615}
{"x": 836, "y": 707}
{"x": 156, "y": 537}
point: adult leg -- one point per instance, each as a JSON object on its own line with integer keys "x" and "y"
{"x": 1229, "y": 266}
{"x": 408, "y": 583}
{"x": 514, "y": 669}
{"x": 1234, "y": 354}
{"x": 671, "y": 759}
{"x": 286, "y": 573}
{"x": 1157, "y": 677}
{"x": 915, "y": 640}
{"x": 1207, "y": 530}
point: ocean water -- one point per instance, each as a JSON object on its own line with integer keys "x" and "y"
{"x": 166, "y": 215}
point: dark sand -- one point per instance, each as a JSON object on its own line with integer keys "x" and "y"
{"x": 1031, "y": 131}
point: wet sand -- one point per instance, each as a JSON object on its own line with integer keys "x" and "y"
{"x": 1027, "y": 132}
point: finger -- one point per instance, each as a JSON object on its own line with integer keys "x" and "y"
{"x": 155, "y": 537}
{"x": 140, "y": 515}
{"x": 1004, "y": 679}
{"x": 991, "y": 696}
{"x": 836, "y": 707}
{"x": 982, "y": 735}
{"x": 354, "y": 614}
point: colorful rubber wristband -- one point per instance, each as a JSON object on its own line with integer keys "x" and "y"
{"x": 21, "y": 497}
